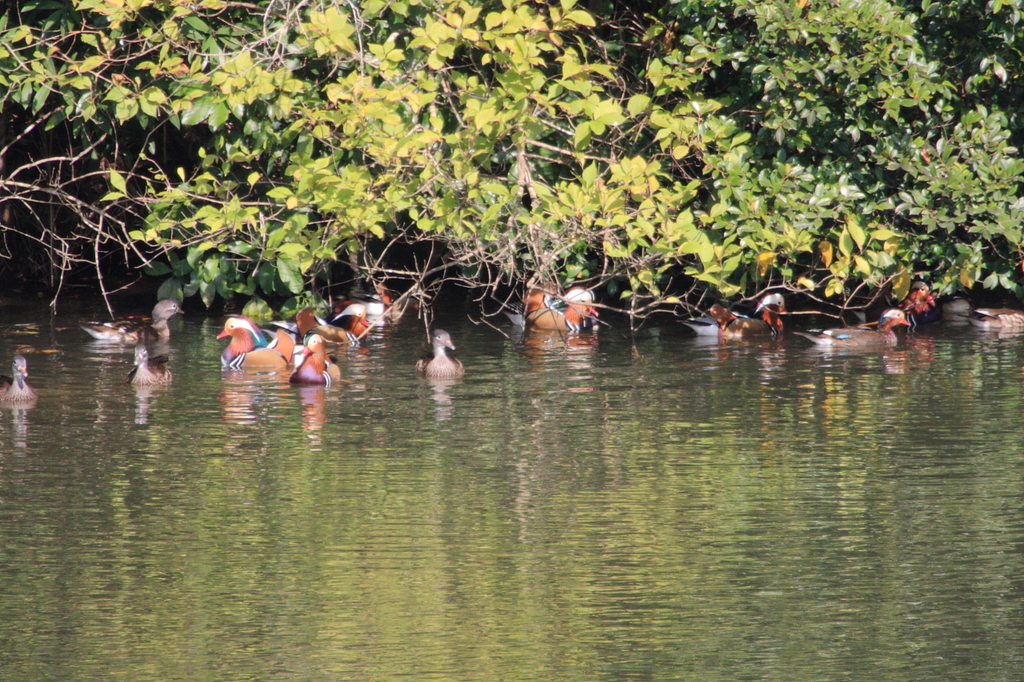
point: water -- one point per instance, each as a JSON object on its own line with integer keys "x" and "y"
{"x": 664, "y": 510}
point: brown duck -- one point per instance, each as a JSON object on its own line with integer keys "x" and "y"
{"x": 15, "y": 389}
{"x": 135, "y": 330}
{"x": 861, "y": 337}
{"x": 149, "y": 371}
{"x": 440, "y": 365}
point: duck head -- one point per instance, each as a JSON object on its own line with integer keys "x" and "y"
{"x": 245, "y": 337}
{"x": 890, "y": 318}
{"x": 579, "y": 300}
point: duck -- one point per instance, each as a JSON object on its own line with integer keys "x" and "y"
{"x": 16, "y": 389}
{"x": 377, "y": 305}
{"x": 920, "y": 306}
{"x": 999, "y": 319}
{"x": 249, "y": 348}
{"x": 734, "y": 327}
{"x": 347, "y": 326}
{"x": 315, "y": 368}
{"x": 391, "y": 310}
{"x": 134, "y": 330}
{"x": 439, "y": 365}
{"x": 770, "y": 309}
{"x": 727, "y": 325}
{"x": 148, "y": 371}
{"x": 861, "y": 337}
{"x": 305, "y": 320}
{"x": 712, "y": 323}
{"x": 572, "y": 312}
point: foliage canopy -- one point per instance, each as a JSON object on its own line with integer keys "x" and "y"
{"x": 659, "y": 150}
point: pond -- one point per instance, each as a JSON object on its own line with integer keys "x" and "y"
{"x": 648, "y": 508}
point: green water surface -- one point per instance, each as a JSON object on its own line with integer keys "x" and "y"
{"x": 664, "y": 509}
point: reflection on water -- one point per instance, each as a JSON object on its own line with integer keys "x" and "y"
{"x": 143, "y": 395}
{"x": 439, "y": 392}
{"x": 590, "y": 507}
{"x": 571, "y": 355}
{"x": 314, "y": 406}
{"x": 19, "y": 422}
{"x": 248, "y": 397}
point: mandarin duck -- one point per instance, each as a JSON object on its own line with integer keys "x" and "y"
{"x": 349, "y": 325}
{"x": 376, "y": 304}
{"x": 439, "y": 365}
{"x": 16, "y": 389}
{"x": 861, "y": 337}
{"x": 149, "y": 371}
{"x": 379, "y": 304}
{"x": 571, "y": 313}
{"x": 730, "y": 326}
{"x": 315, "y": 367}
{"x": 770, "y": 309}
{"x": 136, "y": 331}
{"x": 249, "y": 348}
{"x": 735, "y": 327}
{"x": 305, "y": 321}
{"x": 920, "y": 306}
{"x": 712, "y": 323}
{"x": 394, "y": 312}
{"x": 998, "y": 319}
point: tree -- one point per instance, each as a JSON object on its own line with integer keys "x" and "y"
{"x": 658, "y": 151}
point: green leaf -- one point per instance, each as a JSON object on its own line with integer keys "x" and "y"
{"x": 157, "y": 269}
{"x": 257, "y": 309}
{"x": 290, "y": 276}
{"x": 117, "y": 182}
{"x": 170, "y": 288}
{"x": 208, "y": 292}
{"x": 294, "y": 251}
{"x": 581, "y": 17}
{"x": 883, "y": 234}
{"x": 846, "y": 245}
{"x": 856, "y": 232}
{"x": 638, "y": 104}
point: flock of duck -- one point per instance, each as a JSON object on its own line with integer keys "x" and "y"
{"x": 301, "y": 345}
{"x": 919, "y": 307}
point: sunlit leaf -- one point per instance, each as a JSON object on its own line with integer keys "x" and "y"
{"x": 901, "y": 285}
{"x": 825, "y": 249}
{"x": 846, "y": 245}
{"x": 855, "y": 231}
